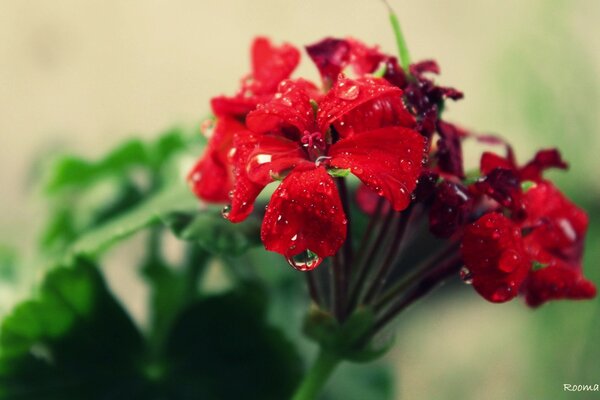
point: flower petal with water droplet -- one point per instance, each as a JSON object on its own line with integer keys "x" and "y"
{"x": 298, "y": 216}
{"x": 387, "y": 160}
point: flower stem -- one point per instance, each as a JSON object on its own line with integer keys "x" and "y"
{"x": 400, "y": 41}
{"x": 317, "y": 376}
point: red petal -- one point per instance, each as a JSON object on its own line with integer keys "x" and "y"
{"x": 367, "y": 200}
{"x": 355, "y": 106}
{"x": 491, "y": 161}
{"x": 449, "y": 153}
{"x": 542, "y": 161}
{"x": 245, "y": 190}
{"x": 290, "y": 107}
{"x": 305, "y": 213}
{"x": 558, "y": 227}
{"x": 210, "y": 178}
{"x": 273, "y": 155}
{"x": 236, "y": 107}
{"x": 560, "y": 223}
{"x": 554, "y": 283}
{"x": 271, "y": 65}
{"x": 331, "y": 56}
{"x": 365, "y": 59}
{"x": 493, "y": 253}
{"x": 387, "y": 160}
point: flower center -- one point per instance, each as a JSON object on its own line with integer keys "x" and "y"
{"x": 314, "y": 144}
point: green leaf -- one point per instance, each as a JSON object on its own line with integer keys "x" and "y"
{"x": 347, "y": 339}
{"x": 150, "y": 212}
{"x": 72, "y": 172}
{"x": 214, "y": 233}
{"x": 73, "y": 341}
{"x": 221, "y": 348}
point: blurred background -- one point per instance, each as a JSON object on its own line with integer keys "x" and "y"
{"x": 81, "y": 76}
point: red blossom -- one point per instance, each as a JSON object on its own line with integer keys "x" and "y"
{"x": 289, "y": 137}
{"x": 211, "y": 177}
{"x": 551, "y": 248}
{"x": 494, "y": 255}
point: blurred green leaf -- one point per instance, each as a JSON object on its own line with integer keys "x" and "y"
{"x": 214, "y": 233}
{"x": 8, "y": 263}
{"x": 74, "y": 172}
{"x": 359, "y": 382}
{"x": 221, "y": 348}
{"x": 151, "y": 211}
{"x": 73, "y": 341}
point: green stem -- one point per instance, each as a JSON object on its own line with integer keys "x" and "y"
{"x": 317, "y": 376}
{"x": 400, "y": 41}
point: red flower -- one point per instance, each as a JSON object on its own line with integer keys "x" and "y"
{"x": 211, "y": 177}
{"x": 493, "y": 252}
{"x": 288, "y": 138}
{"x": 333, "y": 56}
{"x": 545, "y": 250}
{"x": 555, "y": 243}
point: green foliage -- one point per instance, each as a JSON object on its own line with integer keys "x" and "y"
{"x": 241, "y": 357}
{"x": 69, "y": 341}
{"x": 72, "y": 172}
{"x": 85, "y": 194}
{"x": 214, "y": 233}
{"x": 346, "y": 340}
{"x": 74, "y": 341}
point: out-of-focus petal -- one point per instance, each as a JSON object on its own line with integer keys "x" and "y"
{"x": 493, "y": 254}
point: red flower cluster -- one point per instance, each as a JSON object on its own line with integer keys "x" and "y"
{"x": 536, "y": 247}
{"x": 518, "y": 233}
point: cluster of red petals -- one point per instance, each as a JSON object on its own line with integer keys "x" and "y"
{"x": 519, "y": 234}
{"x": 288, "y": 138}
{"x": 535, "y": 249}
{"x": 211, "y": 178}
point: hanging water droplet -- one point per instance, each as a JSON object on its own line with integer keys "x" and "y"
{"x": 226, "y": 210}
{"x": 304, "y": 261}
{"x": 466, "y": 275}
{"x": 348, "y": 92}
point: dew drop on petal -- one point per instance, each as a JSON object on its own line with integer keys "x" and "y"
{"x": 196, "y": 176}
{"x": 466, "y": 276}
{"x": 225, "y": 211}
{"x": 304, "y": 261}
{"x": 348, "y": 92}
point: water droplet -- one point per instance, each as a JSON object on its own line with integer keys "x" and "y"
{"x": 322, "y": 160}
{"x": 304, "y": 261}
{"x": 196, "y": 176}
{"x": 294, "y": 237}
{"x": 509, "y": 261}
{"x": 286, "y": 101}
{"x": 406, "y": 165}
{"x": 466, "y": 275}
{"x": 226, "y": 210}
{"x": 349, "y": 92}
{"x": 230, "y": 194}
